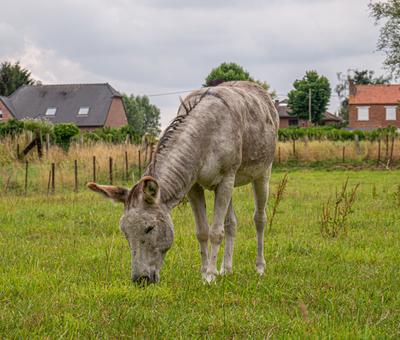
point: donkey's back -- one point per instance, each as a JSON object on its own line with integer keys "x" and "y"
{"x": 240, "y": 136}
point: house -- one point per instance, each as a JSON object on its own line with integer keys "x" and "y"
{"x": 89, "y": 106}
{"x": 374, "y": 106}
{"x": 286, "y": 120}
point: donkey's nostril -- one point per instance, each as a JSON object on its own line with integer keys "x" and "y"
{"x": 142, "y": 279}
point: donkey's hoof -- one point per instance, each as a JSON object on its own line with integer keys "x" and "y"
{"x": 260, "y": 268}
{"x": 225, "y": 270}
{"x": 210, "y": 276}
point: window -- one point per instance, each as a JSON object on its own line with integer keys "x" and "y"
{"x": 390, "y": 112}
{"x": 1, "y": 115}
{"x": 363, "y": 113}
{"x": 84, "y": 110}
{"x": 51, "y": 111}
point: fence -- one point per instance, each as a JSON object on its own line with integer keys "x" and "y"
{"x": 382, "y": 152}
{"x": 123, "y": 164}
{"x": 59, "y": 171}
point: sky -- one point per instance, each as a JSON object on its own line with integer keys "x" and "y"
{"x": 160, "y": 46}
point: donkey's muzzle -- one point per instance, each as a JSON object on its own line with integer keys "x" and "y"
{"x": 146, "y": 279}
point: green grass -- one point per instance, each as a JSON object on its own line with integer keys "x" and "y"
{"x": 65, "y": 269}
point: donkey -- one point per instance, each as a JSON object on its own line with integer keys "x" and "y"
{"x": 222, "y": 137}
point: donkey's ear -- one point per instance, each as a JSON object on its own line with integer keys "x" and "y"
{"x": 150, "y": 189}
{"x": 117, "y": 194}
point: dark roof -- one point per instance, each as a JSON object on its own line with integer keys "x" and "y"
{"x": 284, "y": 110}
{"x": 330, "y": 116}
{"x": 32, "y": 101}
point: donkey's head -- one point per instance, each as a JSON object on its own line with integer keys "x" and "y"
{"x": 146, "y": 224}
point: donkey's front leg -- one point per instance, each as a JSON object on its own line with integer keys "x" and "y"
{"x": 223, "y": 195}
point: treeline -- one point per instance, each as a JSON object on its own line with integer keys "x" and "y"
{"x": 335, "y": 134}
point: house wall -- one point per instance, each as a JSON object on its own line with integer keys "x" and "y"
{"x": 283, "y": 122}
{"x": 116, "y": 116}
{"x": 6, "y": 113}
{"x": 330, "y": 122}
{"x": 377, "y": 117}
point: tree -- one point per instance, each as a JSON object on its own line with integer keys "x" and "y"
{"x": 143, "y": 116}
{"x": 233, "y": 71}
{"x": 363, "y": 77}
{"x": 388, "y": 11}
{"x": 12, "y": 77}
{"x": 320, "y": 95}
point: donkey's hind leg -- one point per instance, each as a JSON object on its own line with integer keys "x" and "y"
{"x": 230, "y": 230}
{"x": 261, "y": 190}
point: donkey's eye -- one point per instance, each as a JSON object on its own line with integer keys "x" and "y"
{"x": 148, "y": 229}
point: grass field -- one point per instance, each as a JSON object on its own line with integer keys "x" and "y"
{"x": 65, "y": 269}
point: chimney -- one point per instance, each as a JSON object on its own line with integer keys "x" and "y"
{"x": 352, "y": 88}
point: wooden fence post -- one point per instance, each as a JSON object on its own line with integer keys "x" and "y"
{"x": 391, "y": 151}
{"x": 111, "y": 170}
{"x": 39, "y": 144}
{"x": 294, "y": 147}
{"x": 126, "y": 165}
{"x": 76, "y": 175}
{"x": 279, "y": 154}
{"x": 94, "y": 168}
{"x": 26, "y": 178}
{"x": 17, "y": 150}
{"x": 379, "y": 151}
{"x": 48, "y": 183}
{"x": 357, "y": 143}
{"x": 343, "y": 153}
{"x": 47, "y": 143}
{"x": 53, "y": 184}
{"x": 387, "y": 147}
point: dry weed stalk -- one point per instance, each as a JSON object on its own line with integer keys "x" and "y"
{"x": 334, "y": 216}
{"x": 280, "y": 190}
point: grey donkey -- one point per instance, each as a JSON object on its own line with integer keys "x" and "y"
{"x": 222, "y": 137}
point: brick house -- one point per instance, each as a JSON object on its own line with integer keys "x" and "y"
{"x": 89, "y": 106}
{"x": 374, "y": 106}
{"x": 286, "y": 120}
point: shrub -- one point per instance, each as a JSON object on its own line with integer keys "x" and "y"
{"x": 43, "y": 125}
{"x": 333, "y": 133}
{"x": 12, "y": 127}
{"x": 63, "y": 134}
{"x": 334, "y": 214}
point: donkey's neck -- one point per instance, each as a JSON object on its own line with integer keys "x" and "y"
{"x": 175, "y": 165}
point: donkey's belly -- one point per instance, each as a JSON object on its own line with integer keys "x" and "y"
{"x": 248, "y": 173}
{"x": 210, "y": 177}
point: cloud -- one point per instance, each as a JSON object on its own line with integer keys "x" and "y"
{"x": 158, "y": 46}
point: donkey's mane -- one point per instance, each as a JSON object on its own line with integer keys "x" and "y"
{"x": 169, "y": 132}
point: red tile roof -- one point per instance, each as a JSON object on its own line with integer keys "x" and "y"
{"x": 375, "y": 94}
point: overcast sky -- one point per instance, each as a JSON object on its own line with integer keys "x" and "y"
{"x": 158, "y": 46}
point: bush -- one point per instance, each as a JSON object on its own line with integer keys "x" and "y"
{"x": 12, "y": 127}
{"x": 63, "y": 134}
{"x": 333, "y": 133}
{"x": 113, "y": 135}
{"x": 43, "y": 125}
